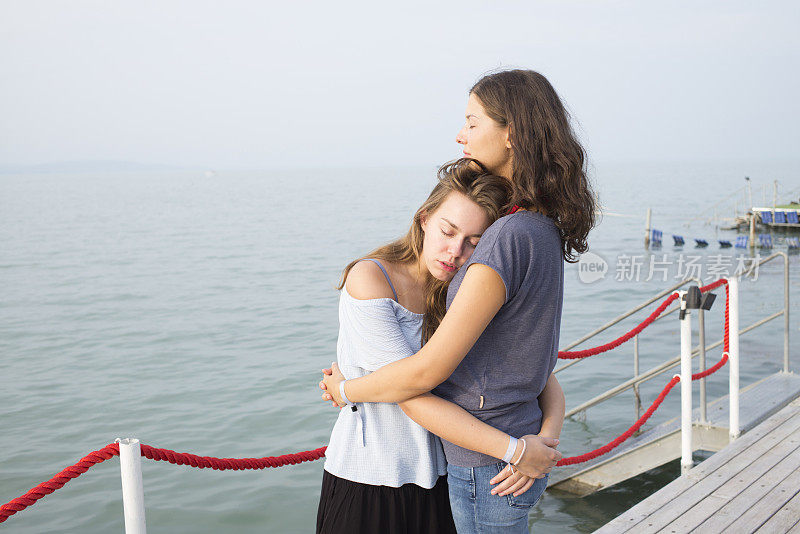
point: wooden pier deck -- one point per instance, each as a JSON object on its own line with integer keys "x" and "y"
{"x": 752, "y": 485}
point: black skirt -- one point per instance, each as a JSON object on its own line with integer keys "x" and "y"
{"x": 351, "y": 508}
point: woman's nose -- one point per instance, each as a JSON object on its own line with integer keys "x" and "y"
{"x": 456, "y": 249}
{"x": 461, "y": 138}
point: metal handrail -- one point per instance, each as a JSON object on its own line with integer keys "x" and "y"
{"x": 622, "y": 317}
{"x": 659, "y": 369}
{"x": 699, "y": 350}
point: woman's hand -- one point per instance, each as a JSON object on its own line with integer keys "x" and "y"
{"x": 511, "y": 480}
{"x": 540, "y": 455}
{"x": 330, "y": 384}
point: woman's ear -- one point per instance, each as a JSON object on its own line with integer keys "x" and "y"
{"x": 423, "y": 220}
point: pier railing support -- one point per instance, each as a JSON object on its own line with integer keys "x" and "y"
{"x": 130, "y": 461}
{"x": 701, "y": 333}
{"x": 785, "y": 312}
{"x": 686, "y": 385}
{"x": 733, "y": 356}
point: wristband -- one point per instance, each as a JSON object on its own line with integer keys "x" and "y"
{"x": 341, "y": 392}
{"x": 512, "y": 447}
{"x": 524, "y": 444}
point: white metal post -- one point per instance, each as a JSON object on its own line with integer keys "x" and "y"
{"x": 686, "y": 387}
{"x": 733, "y": 354}
{"x": 130, "y": 461}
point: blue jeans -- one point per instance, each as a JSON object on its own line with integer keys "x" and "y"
{"x": 477, "y": 511}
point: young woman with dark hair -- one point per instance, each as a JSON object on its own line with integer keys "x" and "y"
{"x": 494, "y": 351}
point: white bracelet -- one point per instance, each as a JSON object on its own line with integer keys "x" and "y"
{"x": 524, "y": 444}
{"x": 341, "y": 392}
{"x": 512, "y": 447}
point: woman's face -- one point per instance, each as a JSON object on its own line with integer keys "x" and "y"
{"x": 485, "y": 140}
{"x": 451, "y": 235}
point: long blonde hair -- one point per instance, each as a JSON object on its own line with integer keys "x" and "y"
{"x": 465, "y": 176}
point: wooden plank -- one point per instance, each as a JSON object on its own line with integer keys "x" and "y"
{"x": 750, "y": 492}
{"x": 757, "y": 401}
{"x": 688, "y": 509}
{"x": 784, "y": 519}
{"x": 795, "y": 529}
{"x": 667, "y": 493}
{"x": 788, "y": 514}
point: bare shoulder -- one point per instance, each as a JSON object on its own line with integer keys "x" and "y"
{"x": 366, "y": 281}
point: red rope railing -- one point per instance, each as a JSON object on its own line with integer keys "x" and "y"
{"x": 58, "y": 481}
{"x": 178, "y": 458}
{"x": 577, "y": 354}
{"x": 643, "y": 419}
{"x": 112, "y": 449}
{"x": 235, "y": 464}
{"x": 664, "y": 392}
{"x": 625, "y": 435}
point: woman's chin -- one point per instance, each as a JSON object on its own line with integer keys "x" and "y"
{"x": 444, "y": 276}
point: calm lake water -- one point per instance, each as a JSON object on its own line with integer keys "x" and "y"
{"x": 194, "y": 313}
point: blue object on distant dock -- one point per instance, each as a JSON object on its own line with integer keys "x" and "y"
{"x": 678, "y": 239}
{"x": 741, "y": 241}
{"x": 791, "y": 217}
{"x": 766, "y": 217}
{"x": 700, "y": 243}
{"x": 724, "y": 243}
{"x": 765, "y": 241}
{"x": 655, "y": 238}
{"x": 793, "y": 243}
{"x": 780, "y": 217}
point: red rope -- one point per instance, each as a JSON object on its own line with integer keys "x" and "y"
{"x": 574, "y": 355}
{"x": 628, "y": 433}
{"x": 236, "y": 464}
{"x": 58, "y": 481}
{"x": 112, "y": 449}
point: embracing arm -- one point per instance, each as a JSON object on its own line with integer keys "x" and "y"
{"x": 480, "y": 296}
{"x": 456, "y": 425}
{"x": 553, "y": 406}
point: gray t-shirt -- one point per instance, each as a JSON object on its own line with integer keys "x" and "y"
{"x": 501, "y": 377}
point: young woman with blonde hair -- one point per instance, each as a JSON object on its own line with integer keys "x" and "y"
{"x": 383, "y": 472}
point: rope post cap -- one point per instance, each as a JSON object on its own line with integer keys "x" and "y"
{"x": 676, "y": 376}
{"x": 126, "y": 441}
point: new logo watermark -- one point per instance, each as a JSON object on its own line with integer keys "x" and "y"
{"x": 591, "y": 268}
{"x": 663, "y": 267}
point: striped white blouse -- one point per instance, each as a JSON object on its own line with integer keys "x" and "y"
{"x": 378, "y": 444}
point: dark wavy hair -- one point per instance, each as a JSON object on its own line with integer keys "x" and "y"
{"x": 468, "y": 177}
{"x": 549, "y": 164}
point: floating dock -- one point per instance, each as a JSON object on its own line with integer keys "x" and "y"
{"x": 751, "y": 485}
{"x": 779, "y": 217}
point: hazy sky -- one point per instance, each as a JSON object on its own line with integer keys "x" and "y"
{"x": 254, "y": 84}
